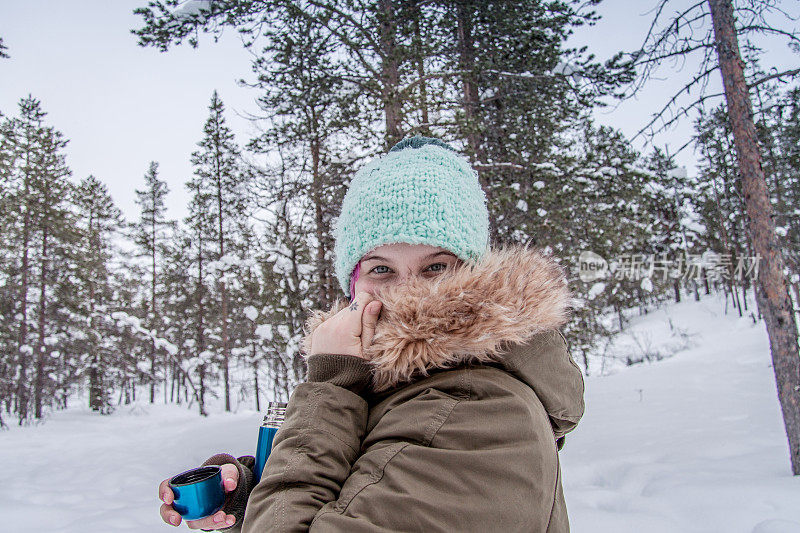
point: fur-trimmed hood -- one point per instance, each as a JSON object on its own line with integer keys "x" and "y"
{"x": 470, "y": 314}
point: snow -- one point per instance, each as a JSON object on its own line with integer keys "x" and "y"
{"x": 522, "y": 205}
{"x": 51, "y": 340}
{"x": 168, "y": 346}
{"x": 691, "y": 443}
{"x": 264, "y": 332}
{"x": 595, "y": 290}
{"x": 251, "y": 313}
{"x": 192, "y": 8}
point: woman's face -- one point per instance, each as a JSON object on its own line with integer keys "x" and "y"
{"x": 392, "y": 264}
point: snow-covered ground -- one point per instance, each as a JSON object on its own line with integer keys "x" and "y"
{"x": 692, "y": 443}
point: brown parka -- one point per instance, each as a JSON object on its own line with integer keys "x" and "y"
{"x": 452, "y": 423}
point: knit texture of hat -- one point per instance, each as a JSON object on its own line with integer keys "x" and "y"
{"x": 420, "y": 192}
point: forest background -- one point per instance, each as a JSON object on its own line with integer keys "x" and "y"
{"x": 200, "y": 292}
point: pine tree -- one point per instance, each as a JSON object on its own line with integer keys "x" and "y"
{"x": 100, "y": 219}
{"x": 219, "y": 178}
{"x": 55, "y": 233}
{"x": 719, "y": 201}
{"x": 24, "y": 137}
{"x": 180, "y": 316}
{"x": 148, "y": 235}
{"x": 36, "y": 226}
{"x": 606, "y": 214}
{"x": 200, "y": 224}
{"x": 673, "y": 237}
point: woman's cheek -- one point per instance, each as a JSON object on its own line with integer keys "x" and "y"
{"x": 365, "y": 285}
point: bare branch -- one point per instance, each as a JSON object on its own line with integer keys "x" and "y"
{"x": 683, "y": 111}
{"x": 792, "y": 73}
{"x": 489, "y": 166}
{"x": 681, "y": 52}
{"x": 792, "y": 36}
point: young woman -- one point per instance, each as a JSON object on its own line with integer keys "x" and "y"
{"x": 438, "y": 396}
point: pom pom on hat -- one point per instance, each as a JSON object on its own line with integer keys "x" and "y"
{"x": 421, "y": 192}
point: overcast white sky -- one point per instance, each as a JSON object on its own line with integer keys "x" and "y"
{"x": 122, "y": 106}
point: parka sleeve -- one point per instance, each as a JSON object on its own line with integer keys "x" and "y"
{"x": 315, "y": 447}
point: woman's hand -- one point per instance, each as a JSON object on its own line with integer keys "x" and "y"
{"x": 350, "y": 331}
{"x": 230, "y": 478}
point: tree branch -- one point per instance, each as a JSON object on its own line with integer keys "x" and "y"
{"x": 792, "y": 73}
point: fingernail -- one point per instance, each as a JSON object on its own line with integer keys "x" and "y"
{"x": 230, "y": 520}
{"x": 174, "y": 520}
{"x": 229, "y": 481}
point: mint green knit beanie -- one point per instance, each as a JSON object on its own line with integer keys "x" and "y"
{"x": 421, "y": 192}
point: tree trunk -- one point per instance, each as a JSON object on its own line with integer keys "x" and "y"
{"x": 39, "y": 387}
{"x": 22, "y": 384}
{"x": 255, "y": 379}
{"x": 317, "y": 198}
{"x": 471, "y": 100}
{"x": 201, "y": 340}
{"x": 226, "y": 348}
{"x": 153, "y": 324}
{"x": 390, "y": 72}
{"x": 97, "y": 397}
{"x": 771, "y": 292}
{"x": 424, "y": 128}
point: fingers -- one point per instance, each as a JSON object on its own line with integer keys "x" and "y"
{"x": 165, "y": 493}
{"x": 215, "y": 521}
{"x": 230, "y": 476}
{"x": 368, "y": 322}
{"x": 355, "y": 312}
{"x": 341, "y": 333}
{"x": 169, "y": 515}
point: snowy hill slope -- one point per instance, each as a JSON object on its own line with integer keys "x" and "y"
{"x": 693, "y": 443}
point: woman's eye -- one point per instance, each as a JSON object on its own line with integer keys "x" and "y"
{"x": 437, "y": 267}
{"x": 378, "y": 270}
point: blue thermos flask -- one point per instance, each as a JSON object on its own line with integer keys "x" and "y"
{"x": 276, "y": 411}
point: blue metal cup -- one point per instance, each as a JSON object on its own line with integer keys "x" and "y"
{"x": 198, "y": 492}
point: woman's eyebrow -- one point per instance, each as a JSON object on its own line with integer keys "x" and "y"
{"x": 430, "y": 256}
{"x": 434, "y": 254}
{"x": 379, "y": 258}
